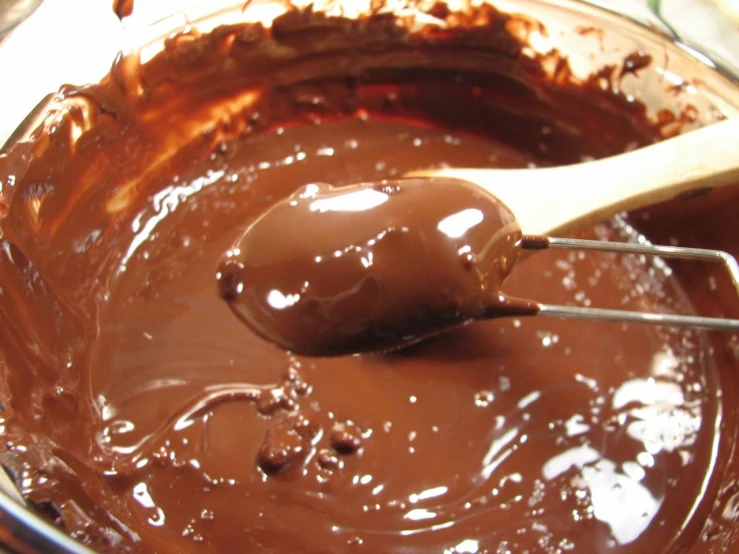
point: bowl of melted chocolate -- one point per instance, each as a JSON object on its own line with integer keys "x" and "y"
{"x": 141, "y": 415}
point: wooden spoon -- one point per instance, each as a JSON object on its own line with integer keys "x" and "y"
{"x": 556, "y": 200}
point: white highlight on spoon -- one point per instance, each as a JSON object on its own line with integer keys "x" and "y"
{"x": 456, "y": 225}
{"x": 357, "y": 201}
{"x": 280, "y": 301}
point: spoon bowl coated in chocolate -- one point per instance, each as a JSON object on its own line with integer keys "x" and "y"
{"x": 372, "y": 267}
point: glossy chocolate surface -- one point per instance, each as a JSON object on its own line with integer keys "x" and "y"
{"x": 372, "y": 267}
{"x": 143, "y": 416}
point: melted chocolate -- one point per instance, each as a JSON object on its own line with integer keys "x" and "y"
{"x": 371, "y": 267}
{"x": 635, "y": 62}
{"x": 147, "y": 418}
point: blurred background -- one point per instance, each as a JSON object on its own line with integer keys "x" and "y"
{"x": 75, "y": 41}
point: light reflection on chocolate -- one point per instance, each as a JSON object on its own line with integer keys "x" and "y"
{"x": 143, "y": 411}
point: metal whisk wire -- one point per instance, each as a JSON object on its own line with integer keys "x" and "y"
{"x": 625, "y": 316}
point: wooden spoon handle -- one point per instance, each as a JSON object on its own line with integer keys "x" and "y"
{"x": 560, "y": 199}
